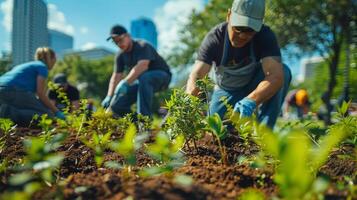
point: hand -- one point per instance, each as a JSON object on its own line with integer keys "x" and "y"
{"x": 122, "y": 87}
{"x": 60, "y": 115}
{"x": 245, "y": 107}
{"x": 106, "y": 101}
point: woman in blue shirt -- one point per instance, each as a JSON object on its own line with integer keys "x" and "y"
{"x": 20, "y": 86}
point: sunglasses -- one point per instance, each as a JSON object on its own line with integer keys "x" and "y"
{"x": 118, "y": 39}
{"x": 242, "y": 29}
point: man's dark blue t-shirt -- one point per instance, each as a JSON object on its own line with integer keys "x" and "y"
{"x": 141, "y": 50}
{"x": 264, "y": 45}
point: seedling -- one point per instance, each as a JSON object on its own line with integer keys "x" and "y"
{"x": 6, "y": 126}
{"x": 127, "y": 148}
{"x": 39, "y": 165}
{"x": 98, "y": 142}
{"x": 166, "y": 152}
{"x": 215, "y": 126}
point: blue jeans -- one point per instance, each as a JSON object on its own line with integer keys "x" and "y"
{"x": 268, "y": 112}
{"x": 20, "y": 106}
{"x": 141, "y": 92}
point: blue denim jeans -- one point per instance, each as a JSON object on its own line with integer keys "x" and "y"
{"x": 268, "y": 112}
{"x": 141, "y": 92}
{"x": 20, "y": 106}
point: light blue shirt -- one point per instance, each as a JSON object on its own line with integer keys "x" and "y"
{"x": 24, "y": 76}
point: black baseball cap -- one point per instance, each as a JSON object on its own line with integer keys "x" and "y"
{"x": 116, "y": 30}
{"x": 60, "y": 79}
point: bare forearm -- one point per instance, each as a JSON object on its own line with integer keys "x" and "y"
{"x": 266, "y": 89}
{"x": 114, "y": 80}
{"x": 200, "y": 70}
{"x": 191, "y": 87}
{"x": 135, "y": 73}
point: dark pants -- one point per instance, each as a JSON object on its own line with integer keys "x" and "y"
{"x": 268, "y": 112}
{"x": 20, "y": 106}
{"x": 141, "y": 92}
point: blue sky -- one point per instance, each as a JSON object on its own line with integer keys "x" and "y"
{"x": 89, "y": 21}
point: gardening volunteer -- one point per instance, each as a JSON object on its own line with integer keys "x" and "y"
{"x": 147, "y": 74}
{"x": 20, "y": 85}
{"x": 247, "y": 63}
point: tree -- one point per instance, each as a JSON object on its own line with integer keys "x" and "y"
{"x": 315, "y": 26}
{"x": 5, "y": 62}
{"x": 310, "y": 25}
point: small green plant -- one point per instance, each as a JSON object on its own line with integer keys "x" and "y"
{"x": 6, "y": 125}
{"x": 205, "y": 86}
{"x": 127, "y": 148}
{"x": 38, "y": 167}
{"x": 98, "y": 142}
{"x": 299, "y": 160}
{"x": 215, "y": 125}
{"x": 184, "y": 117}
{"x": 244, "y": 126}
{"x": 166, "y": 152}
{"x": 61, "y": 95}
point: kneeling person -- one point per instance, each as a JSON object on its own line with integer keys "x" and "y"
{"x": 147, "y": 73}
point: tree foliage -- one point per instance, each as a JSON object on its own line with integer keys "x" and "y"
{"x": 93, "y": 76}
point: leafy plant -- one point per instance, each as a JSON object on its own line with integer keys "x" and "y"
{"x": 38, "y": 167}
{"x": 184, "y": 117}
{"x": 61, "y": 95}
{"x": 215, "y": 125}
{"x": 298, "y": 160}
{"x": 167, "y": 152}
{"x": 127, "y": 148}
{"x": 6, "y": 125}
{"x": 205, "y": 85}
{"x": 98, "y": 142}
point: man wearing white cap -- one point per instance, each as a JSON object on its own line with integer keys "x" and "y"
{"x": 247, "y": 63}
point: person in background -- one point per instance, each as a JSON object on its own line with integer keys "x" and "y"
{"x": 147, "y": 73}
{"x": 247, "y": 64}
{"x": 71, "y": 92}
{"x": 20, "y": 86}
{"x": 299, "y": 100}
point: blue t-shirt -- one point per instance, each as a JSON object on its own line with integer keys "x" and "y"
{"x": 264, "y": 45}
{"x": 24, "y": 76}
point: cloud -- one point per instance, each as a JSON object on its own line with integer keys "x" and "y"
{"x": 57, "y": 20}
{"x": 6, "y": 9}
{"x": 83, "y": 30}
{"x": 170, "y": 18}
{"x": 88, "y": 45}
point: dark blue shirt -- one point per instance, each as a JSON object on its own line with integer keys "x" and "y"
{"x": 141, "y": 50}
{"x": 24, "y": 76}
{"x": 264, "y": 45}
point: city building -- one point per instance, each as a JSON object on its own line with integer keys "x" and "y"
{"x": 60, "y": 42}
{"x": 29, "y": 29}
{"x": 308, "y": 67}
{"x": 92, "y": 54}
{"x": 144, "y": 28}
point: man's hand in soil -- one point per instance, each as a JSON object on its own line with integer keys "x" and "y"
{"x": 245, "y": 107}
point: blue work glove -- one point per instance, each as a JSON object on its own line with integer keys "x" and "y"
{"x": 245, "y": 107}
{"x": 60, "y": 115}
{"x": 122, "y": 87}
{"x": 106, "y": 101}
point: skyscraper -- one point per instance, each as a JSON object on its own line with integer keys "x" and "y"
{"x": 29, "y": 29}
{"x": 144, "y": 28}
{"x": 60, "y": 42}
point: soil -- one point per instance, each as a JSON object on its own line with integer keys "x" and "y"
{"x": 80, "y": 177}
